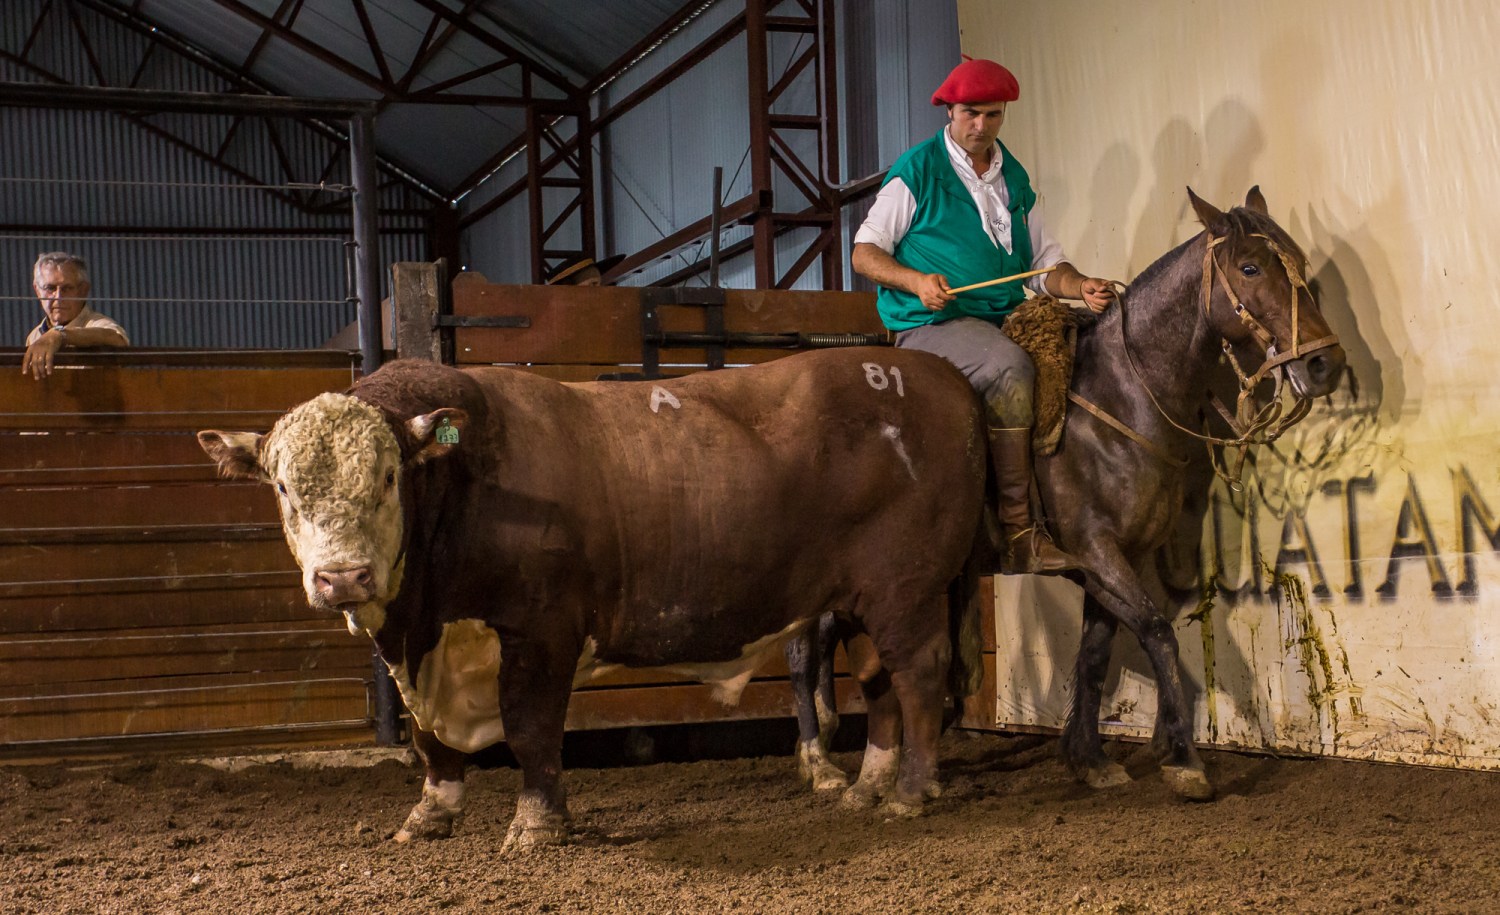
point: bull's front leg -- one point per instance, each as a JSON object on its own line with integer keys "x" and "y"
{"x": 534, "y": 689}
{"x": 442, "y": 804}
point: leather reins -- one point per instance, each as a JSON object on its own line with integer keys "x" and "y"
{"x": 1252, "y": 423}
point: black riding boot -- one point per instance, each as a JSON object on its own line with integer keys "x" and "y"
{"x": 1026, "y": 548}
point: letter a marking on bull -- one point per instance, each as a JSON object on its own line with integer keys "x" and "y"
{"x": 659, "y": 396}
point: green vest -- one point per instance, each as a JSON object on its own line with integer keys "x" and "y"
{"x": 946, "y": 237}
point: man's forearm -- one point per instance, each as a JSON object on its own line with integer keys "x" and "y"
{"x": 876, "y": 265}
{"x": 1065, "y": 282}
{"x": 95, "y": 336}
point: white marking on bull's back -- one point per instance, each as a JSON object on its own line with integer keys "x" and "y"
{"x": 457, "y": 693}
{"x": 893, "y": 435}
{"x": 876, "y": 378}
{"x": 659, "y": 396}
{"x": 729, "y": 678}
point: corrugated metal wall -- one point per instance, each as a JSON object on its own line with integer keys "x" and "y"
{"x": 183, "y": 250}
{"x": 656, "y": 163}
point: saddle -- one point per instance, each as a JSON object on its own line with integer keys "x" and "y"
{"x": 1048, "y": 331}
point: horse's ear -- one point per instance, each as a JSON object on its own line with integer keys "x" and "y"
{"x": 1208, "y": 214}
{"x": 1257, "y": 202}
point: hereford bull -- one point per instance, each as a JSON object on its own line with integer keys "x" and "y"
{"x": 504, "y": 538}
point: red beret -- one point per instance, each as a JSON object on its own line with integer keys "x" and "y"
{"x": 977, "y": 81}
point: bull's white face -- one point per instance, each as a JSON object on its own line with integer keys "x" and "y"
{"x": 336, "y": 465}
{"x": 336, "y": 468}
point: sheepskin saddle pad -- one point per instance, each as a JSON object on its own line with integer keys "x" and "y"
{"x": 1048, "y": 331}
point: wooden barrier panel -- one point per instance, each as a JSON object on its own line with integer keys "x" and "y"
{"x": 603, "y": 326}
{"x": 142, "y": 598}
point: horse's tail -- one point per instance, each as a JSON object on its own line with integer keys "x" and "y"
{"x": 966, "y": 670}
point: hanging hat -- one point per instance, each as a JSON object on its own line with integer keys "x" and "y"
{"x": 977, "y": 81}
{"x": 560, "y": 275}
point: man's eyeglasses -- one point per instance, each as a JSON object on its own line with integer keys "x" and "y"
{"x": 53, "y": 289}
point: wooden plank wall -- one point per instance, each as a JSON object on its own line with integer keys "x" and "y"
{"x": 582, "y": 333}
{"x": 143, "y": 601}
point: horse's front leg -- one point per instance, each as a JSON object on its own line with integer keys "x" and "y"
{"x": 442, "y": 804}
{"x": 1082, "y": 749}
{"x": 1112, "y": 581}
{"x": 809, "y": 659}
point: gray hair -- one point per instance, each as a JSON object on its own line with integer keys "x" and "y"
{"x": 58, "y": 260}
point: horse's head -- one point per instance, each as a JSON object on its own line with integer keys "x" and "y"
{"x": 1255, "y": 296}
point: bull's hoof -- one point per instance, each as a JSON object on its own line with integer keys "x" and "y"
{"x": 520, "y": 839}
{"x": 860, "y": 796}
{"x": 1189, "y": 784}
{"x": 428, "y": 820}
{"x": 826, "y": 777}
{"x": 933, "y": 790}
{"x": 902, "y": 809}
{"x": 1108, "y": 774}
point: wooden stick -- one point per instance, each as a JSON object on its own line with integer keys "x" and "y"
{"x": 1004, "y": 279}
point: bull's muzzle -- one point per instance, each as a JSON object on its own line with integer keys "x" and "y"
{"x": 337, "y": 587}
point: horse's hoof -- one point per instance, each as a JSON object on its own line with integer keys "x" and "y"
{"x": 1108, "y": 774}
{"x": 1189, "y": 784}
{"x": 521, "y": 839}
{"x": 859, "y": 797}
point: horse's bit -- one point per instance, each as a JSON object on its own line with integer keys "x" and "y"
{"x": 1252, "y": 423}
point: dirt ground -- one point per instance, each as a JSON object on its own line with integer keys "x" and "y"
{"x": 1012, "y": 833}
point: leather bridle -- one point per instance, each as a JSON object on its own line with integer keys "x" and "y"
{"x": 1252, "y": 422}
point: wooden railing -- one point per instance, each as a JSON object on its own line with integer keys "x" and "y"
{"x": 143, "y": 601}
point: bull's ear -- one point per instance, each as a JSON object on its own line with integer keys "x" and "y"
{"x": 236, "y": 453}
{"x": 1257, "y": 202}
{"x": 435, "y": 434}
{"x": 1208, "y": 214}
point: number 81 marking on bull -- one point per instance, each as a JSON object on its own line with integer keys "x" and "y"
{"x": 879, "y": 380}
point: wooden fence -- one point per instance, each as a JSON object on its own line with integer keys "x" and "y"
{"x": 143, "y": 602}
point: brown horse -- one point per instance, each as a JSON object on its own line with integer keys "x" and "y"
{"x": 1116, "y": 487}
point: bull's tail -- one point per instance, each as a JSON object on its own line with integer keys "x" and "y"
{"x": 966, "y": 671}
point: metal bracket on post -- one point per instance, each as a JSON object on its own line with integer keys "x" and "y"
{"x": 654, "y": 339}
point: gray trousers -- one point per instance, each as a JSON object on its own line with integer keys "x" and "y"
{"x": 998, "y": 369}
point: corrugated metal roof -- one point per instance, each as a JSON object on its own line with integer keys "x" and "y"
{"x": 569, "y": 42}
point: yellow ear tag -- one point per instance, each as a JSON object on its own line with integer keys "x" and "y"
{"x": 446, "y": 434}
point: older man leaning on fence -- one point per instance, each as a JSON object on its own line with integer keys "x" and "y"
{"x": 61, "y": 281}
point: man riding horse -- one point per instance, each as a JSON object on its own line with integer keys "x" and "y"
{"x": 955, "y": 210}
